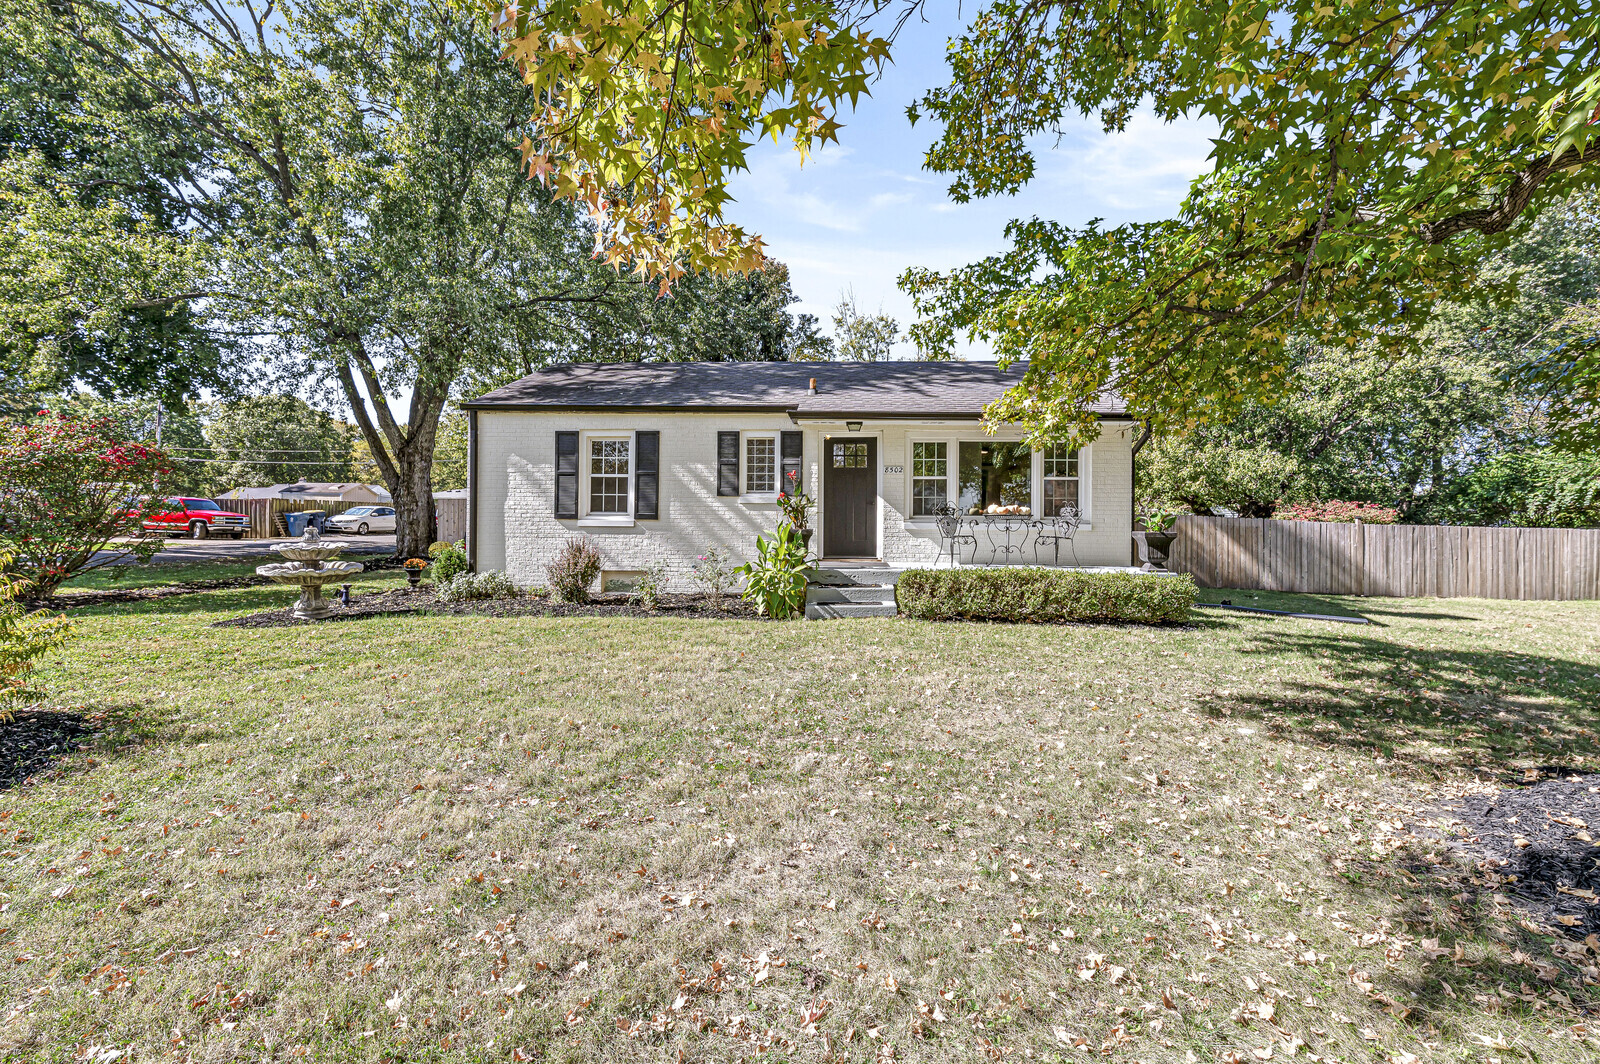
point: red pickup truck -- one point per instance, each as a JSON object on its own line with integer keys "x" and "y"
{"x": 195, "y": 518}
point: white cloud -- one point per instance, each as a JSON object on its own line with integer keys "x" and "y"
{"x": 857, "y": 218}
{"x": 1144, "y": 170}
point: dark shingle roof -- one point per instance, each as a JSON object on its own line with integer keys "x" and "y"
{"x": 845, "y": 389}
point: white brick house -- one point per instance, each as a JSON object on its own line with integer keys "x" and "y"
{"x": 658, "y": 461}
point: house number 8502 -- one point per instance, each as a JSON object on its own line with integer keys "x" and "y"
{"x": 894, "y": 469}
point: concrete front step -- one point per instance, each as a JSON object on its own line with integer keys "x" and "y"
{"x": 850, "y": 593}
{"x": 862, "y": 576}
{"x": 829, "y": 611}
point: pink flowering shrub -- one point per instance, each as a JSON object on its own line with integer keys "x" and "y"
{"x": 1368, "y": 513}
{"x": 65, "y": 488}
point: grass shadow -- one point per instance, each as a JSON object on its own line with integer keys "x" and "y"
{"x": 1337, "y": 605}
{"x": 1427, "y": 706}
{"x": 50, "y": 742}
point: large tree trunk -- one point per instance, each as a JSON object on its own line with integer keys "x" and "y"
{"x": 403, "y": 453}
{"x": 413, "y": 499}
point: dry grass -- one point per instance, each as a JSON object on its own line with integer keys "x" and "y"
{"x": 489, "y": 839}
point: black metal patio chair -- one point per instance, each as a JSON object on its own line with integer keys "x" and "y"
{"x": 948, "y": 521}
{"x": 1059, "y": 528}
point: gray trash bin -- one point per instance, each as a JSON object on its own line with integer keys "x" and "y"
{"x": 296, "y": 524}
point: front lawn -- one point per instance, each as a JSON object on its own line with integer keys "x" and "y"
{"x": 572, "y": 839}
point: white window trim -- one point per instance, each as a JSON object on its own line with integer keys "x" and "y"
{"x": 759, "y": 497}
{"x": 1085, "y": 518}
{"x": 1036, "y": 489}
{"x": 586, "y": 518}
{"x": 950, "y": 462}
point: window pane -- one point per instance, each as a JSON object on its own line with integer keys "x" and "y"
{"x": 1059, "y": 493}
{"x": 1060, "y": 461}
{"x": 994, "y": 474}
{"x": 608, "y": 476}
{"x": 761, "y": 465}
{"x": 928, "y": 459}
{"x": 849, "y": 456}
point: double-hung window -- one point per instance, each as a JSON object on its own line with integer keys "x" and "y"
{"x": 1060, "y": 479}
{"x": 761, "y": 465}
{"x": 610, "y": 469}
{"x": 930, "y": 478}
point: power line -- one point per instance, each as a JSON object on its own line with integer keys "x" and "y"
{"x": 269, "y": 450}
{"x": 261, "y": 461}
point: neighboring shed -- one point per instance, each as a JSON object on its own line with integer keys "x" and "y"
{"x": 312, "y": 492}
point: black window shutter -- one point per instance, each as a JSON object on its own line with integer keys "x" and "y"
{"x": 727, "y": 463}
{"x": 789, "y": 450}
{"x": 646, "y": 475}
{"x": 566, "y": 474}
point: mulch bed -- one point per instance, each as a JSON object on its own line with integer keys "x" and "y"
{"x": 423, "y": 600}
{"x": 35, "y": 740}
{"x": 1542, "y": 841}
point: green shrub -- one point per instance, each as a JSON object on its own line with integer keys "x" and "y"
{"x": 573, "y": 570}
{"x": 448, "y": 560}
{"x": 24, "y": 638}
{"x": 473, "y": 587}
{"x": 652, "y": 582}
{"x": 1043, "y": 595}
{"x": 776, "y": 580}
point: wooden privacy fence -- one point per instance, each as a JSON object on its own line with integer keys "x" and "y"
{"x": 1405, "y": 561}
{"x": 264, "y": 513}
{"x": 450, "y": 520}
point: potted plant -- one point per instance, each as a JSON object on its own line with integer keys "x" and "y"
{"x": 796, "y": 506}
{"x": 1155, "y": 540}
{"x": 414, "y": 567}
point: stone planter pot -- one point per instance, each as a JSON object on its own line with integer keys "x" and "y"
{"x": 1153, "y": 549}
{"x": 414, "y": 577}
{"x": 805, "y": 539}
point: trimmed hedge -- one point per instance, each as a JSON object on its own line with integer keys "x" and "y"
{"x": 1042, "y": 596}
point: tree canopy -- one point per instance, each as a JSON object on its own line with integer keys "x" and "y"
{"x": 1358, "y": 147}
{"x": 274, "y": 439}
{"x": 1447, "y": 431}
{"x": 645, "y": 106}
{"x": 94, "y": 247}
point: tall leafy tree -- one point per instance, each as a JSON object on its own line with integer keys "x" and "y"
{"x": 862, "y": 337}
{"x": 274, "y": 439}
{"x": 712, "y": 317}
{"x": 381, "y": 238}
{"x": 380, "y": 235}
{"x": 1364, "y": 425}
{"x": 99, "y": 251}
{"x": 1447, "y": 431}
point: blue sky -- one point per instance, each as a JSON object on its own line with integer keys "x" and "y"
{"x": 858, "y": 213}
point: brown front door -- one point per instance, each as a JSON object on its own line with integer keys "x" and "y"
{"x": 850, "y": 497}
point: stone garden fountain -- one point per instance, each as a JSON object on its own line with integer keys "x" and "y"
{"x": 309, "y": 566}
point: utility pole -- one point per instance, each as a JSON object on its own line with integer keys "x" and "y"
{"x": 158, "y": 423}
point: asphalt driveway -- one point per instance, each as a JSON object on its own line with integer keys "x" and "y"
{"x": 221, "y": 550}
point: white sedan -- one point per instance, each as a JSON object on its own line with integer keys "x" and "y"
{"x": 363, "y": 519}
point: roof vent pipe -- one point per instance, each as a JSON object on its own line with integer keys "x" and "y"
{"x": 813, "y": 386}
